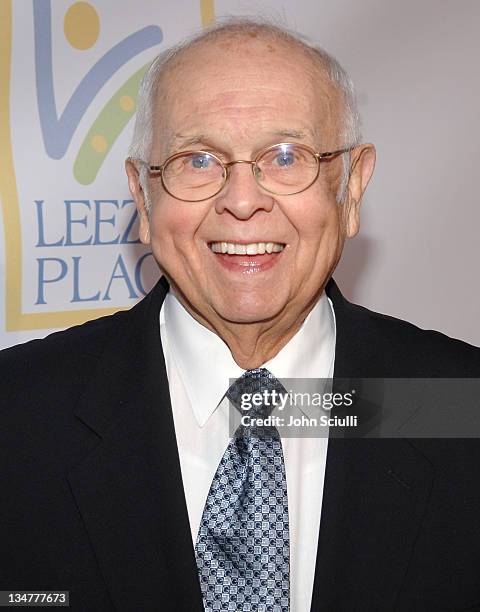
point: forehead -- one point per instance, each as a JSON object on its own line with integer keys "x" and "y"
{"x": 243, "y": 89}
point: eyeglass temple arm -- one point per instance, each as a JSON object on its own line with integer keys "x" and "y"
{"x": 137, "y": 160}
{"x": 333, "y": 153}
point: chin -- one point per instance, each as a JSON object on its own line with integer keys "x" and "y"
{"x": 248, "y": 311}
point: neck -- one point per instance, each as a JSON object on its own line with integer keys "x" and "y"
{"x": 253, "y": 344}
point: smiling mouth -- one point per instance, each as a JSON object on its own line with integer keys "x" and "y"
{"x": 252, "y": 248}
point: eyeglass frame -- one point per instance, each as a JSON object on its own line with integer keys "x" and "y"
{"x": 154, "y": 169}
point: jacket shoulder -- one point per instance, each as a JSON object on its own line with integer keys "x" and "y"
{"x": 423, "y": 352}
{"x": 49, "y": 361}
{"x": 91, "y": 332}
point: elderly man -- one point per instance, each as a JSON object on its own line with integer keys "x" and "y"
{"x": 123, "y": 483}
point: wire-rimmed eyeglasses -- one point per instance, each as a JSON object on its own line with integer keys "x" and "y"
{"x": 281, "y": 169}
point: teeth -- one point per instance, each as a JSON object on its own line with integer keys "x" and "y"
{"x": 253, "y": 248}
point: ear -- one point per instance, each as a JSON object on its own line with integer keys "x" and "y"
{"x": 362, "y": 165}
{"x": 139, "y": 199}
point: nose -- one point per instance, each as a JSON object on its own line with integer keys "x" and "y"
{"x": 242, "y": 196}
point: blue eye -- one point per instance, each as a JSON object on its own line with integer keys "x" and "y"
{"x": 201, "y": 161}
{"x": 285, "y": 159}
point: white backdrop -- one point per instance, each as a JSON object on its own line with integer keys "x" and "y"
{"x": 68, "y": 78}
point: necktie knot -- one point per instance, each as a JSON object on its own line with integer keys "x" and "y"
{"x": 259, "y": 388}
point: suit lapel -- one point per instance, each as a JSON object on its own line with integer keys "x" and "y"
{"x": 375, "y": 491}
{"x": 129, "y": 487}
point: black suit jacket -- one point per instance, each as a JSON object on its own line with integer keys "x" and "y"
{"x": 92, "y": 498}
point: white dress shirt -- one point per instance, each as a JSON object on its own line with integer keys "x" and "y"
{"x": 199, "y": 366}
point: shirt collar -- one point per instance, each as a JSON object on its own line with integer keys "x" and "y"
{"x": 206, "y": 366}
{"x": 203, "y": 360}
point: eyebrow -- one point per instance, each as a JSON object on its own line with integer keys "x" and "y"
{"x": 294, "y": 134}
{"x": 184, "y": 140}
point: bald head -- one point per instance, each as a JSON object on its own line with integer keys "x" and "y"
{"x": 215, "y": 72}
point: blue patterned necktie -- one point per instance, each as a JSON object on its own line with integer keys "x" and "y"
{"x": 242, "y": 548}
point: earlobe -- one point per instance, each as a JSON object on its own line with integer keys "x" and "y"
{"x": 352, "y": 213}
{"x": 143, "y": 225}
{"x": 144, "y": 231}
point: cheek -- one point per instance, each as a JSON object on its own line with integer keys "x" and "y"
{"x": 319, "y": 223}
{"x": 175, "y": 243}
{"x": 173, "y": 226}
{"x": 319, "y": 241}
